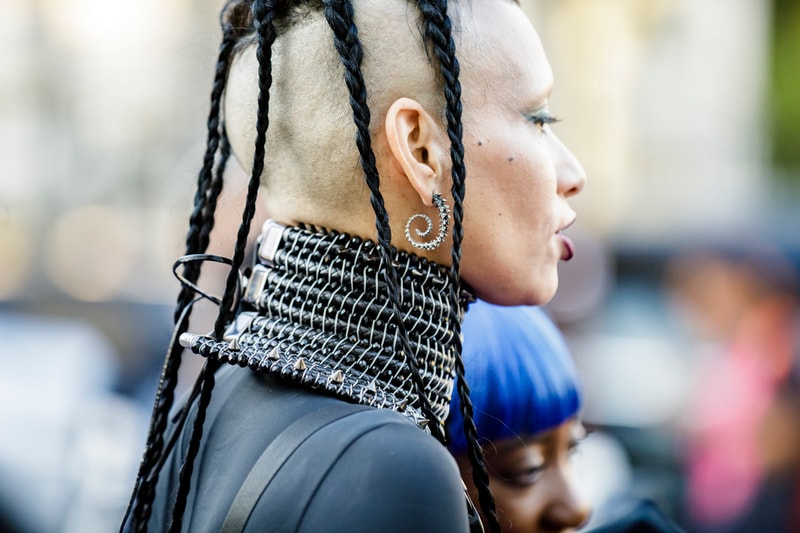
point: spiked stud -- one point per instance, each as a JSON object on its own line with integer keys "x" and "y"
{"x": 274, "y": 355}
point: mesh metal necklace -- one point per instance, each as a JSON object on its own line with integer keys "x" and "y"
{"x": 315, "y": 311}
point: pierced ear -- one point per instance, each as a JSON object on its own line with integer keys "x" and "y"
{"x": 415, "y": 140}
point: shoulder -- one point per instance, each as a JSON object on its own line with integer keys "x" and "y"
{"x": 369, "y": 471}
{"x": 397, "y": 478}
{"x": 395, "y": 443}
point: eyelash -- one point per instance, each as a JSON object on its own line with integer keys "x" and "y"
{"x": 542, "y": 119}
{"x": 530, "y": 476}
{"x": 523, "y": 479}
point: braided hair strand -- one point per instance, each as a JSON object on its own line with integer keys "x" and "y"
{"x": 263, "y": 12}
{"x": 201, "y": 222}
{"x": 438, "y": 30}
{"x": 339, "y": 14}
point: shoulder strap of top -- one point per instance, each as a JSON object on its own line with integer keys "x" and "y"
{"x": 282, "y": 448}
{"x": 274, "y": 457}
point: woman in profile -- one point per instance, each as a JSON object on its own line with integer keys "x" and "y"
{"x": 364, "y": 125}
{"x": 526, "y": 399}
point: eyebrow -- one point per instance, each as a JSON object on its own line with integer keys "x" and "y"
{"x": 509, "y": 446}
{"x": 520, "y": 441}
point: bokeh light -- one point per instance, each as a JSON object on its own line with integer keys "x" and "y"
{"x": 91, "y": 252}
{"x": 16, "y": 254}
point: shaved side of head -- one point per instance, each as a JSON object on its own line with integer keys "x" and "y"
{"x": 312, "y": 171}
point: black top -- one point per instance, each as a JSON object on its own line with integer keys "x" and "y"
{"x": 392, "y": 478}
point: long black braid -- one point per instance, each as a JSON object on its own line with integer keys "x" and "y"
{"x": 215, "y": 188}
{"x": 438, "y": 30}
{"x": 263, "y": 12}
{"x": 201, "y": 222}
{"x": 339, "y": 14}
{"x": 205, "y": 382}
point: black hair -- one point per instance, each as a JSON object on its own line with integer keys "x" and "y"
{"x": 339, "y": 14}
{"x": 201, "y": 222}
{"x": 240, "y": 19}
{"x": 263, "y": 16}
{"x": 438, "y": 30}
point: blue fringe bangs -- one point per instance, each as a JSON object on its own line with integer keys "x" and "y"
{"x": 520, "y": 372}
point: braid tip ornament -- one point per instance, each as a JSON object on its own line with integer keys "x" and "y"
{"x": 187, "y": 340}
{"x": 444, "y": 225}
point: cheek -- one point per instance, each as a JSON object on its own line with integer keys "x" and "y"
{"x": 518, "y": 510}
{"x": 507, "y": 272}
{"x": 485, "y": 262}
{"x": 521, "y": 197}
{"x": 509, "y": 224}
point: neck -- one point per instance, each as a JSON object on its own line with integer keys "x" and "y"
{"x": 316, "y": 312}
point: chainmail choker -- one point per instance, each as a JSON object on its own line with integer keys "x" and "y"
{"x": 316, "y": 311}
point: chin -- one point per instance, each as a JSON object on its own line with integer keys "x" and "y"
{"x": 535, "y": 293}
{"x": 538, "y": 297}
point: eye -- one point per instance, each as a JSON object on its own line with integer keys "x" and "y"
{"x": 522, "y": 477}
{"x": 579, "y": 434}
{"x": 541, "y": 119}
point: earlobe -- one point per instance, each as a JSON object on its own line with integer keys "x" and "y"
{"x": 414, "y": 138}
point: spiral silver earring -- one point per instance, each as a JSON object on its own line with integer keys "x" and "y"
{"x": 444, "y": 225}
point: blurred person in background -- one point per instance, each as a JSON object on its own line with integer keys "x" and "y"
{"x": 527, "y": 402}
{"x": 743, "y": 447}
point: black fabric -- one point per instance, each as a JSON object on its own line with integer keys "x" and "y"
{"x": 275, "y": 456}
{"x": 392, "y": 478}
{"x": 644, "y": 518}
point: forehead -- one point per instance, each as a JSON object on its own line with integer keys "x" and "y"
{"x": 502, "y": 51}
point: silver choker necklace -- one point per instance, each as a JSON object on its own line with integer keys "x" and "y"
{"x": 315, "y": 311}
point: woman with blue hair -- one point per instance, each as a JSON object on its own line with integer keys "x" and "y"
{"x": 526, "y": 399}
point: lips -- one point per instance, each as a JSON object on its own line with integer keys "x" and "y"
{"x": 568, "y": 251}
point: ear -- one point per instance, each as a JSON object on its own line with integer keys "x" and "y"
{"x": 415, "y": 139}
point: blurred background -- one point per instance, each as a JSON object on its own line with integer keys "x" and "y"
{"x": 680, "y": 306}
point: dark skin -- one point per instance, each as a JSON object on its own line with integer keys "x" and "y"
{"x": 531, "y": 480}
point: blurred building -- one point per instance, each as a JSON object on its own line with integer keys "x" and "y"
{"x": 666, "y": 107}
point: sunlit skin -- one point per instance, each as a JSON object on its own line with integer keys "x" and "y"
{"x": 520, "y": 175}
{"x": 531, "y": 481}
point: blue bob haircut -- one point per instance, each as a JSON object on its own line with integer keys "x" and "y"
{"x": 522, "y": 377}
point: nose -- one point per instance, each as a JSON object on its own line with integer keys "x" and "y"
{"x": 569, "y": 172}
{"x": 568, "y": 509}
